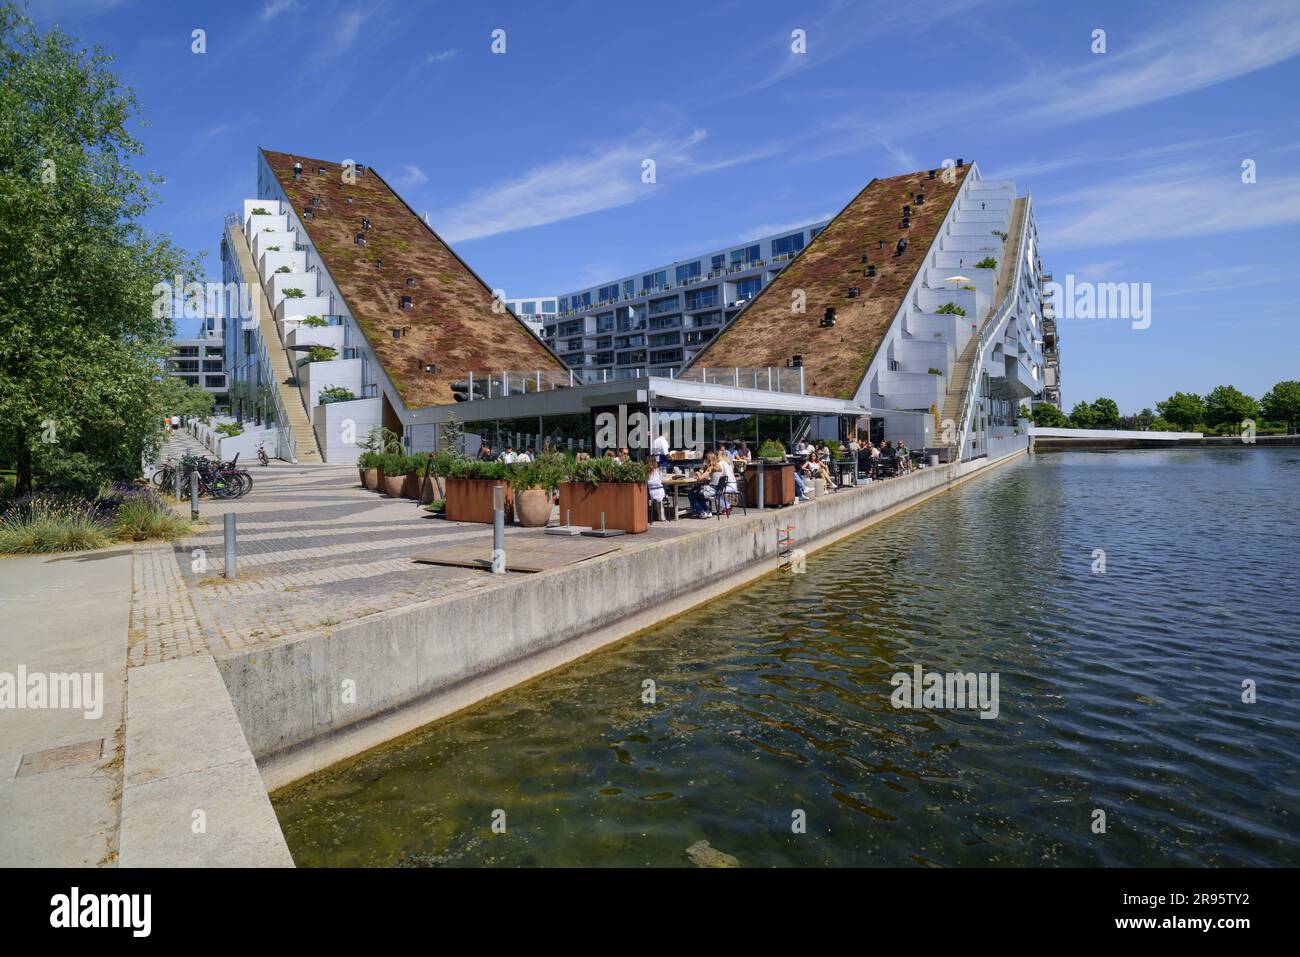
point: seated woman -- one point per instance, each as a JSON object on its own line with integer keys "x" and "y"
{"x": 654, "y": 483}
{"x": 815, "y": 468}
{"x": 701, "y": 495}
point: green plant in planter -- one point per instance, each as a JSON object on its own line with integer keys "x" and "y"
{"x": 988, "y": 262}
{"x": 772, "y": 450}
{"x": 284, "y": 269}
{"x": 315, "y": 322}
{"x": 321, "y": 354}
{"x": 380, "y": 440}
{"x": 603, "y": 469}
{"x": 950, "y": 309}
{"x": 834, "y": 447}
{"x": 368, "y": 460}
{"x": 272, "y": 249}
{"x": 933, "y": 371}
{"x": 336, "y": 393}
{"x": 261, "y": 211}
{"x": 437, "y": 506}
{"x": 294, "y": 293}
{"x": 545, "y": 472}
{"x": 230, "y": 429}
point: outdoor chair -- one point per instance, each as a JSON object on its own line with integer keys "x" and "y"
{"x": 724, "y": 501}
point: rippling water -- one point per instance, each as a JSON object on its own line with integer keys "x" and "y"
{"x": 1118, "y": 691}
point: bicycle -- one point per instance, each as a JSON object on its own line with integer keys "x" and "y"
{"x": 262, "y": 456}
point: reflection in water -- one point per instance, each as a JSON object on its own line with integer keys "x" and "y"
{"x": 1118, "y": 691}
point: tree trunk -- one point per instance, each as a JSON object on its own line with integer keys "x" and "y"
{"x": 23, "y": 467}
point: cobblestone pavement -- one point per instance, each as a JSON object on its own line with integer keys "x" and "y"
{"x": 314, "y": 550}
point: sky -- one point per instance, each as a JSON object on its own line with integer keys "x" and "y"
{"x": 530, "y": 160}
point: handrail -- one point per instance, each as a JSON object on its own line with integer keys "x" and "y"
{"x": 987, "y": 331}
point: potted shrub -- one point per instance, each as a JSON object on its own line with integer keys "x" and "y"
{"x": 415, "y": 465}
{"x": 294, "y": 293}
{"x": 393, "y": 469}
{"x": 368, "y": 468}
{"x": 988, "y": 262}
{"x": 314, "y": 322}
{"x": 335, "y": 393}
{"x": 607, "y": 487}
{"x": 284, "y": 269}
{"x": 535, "y": 484}
{"x": 470, "y": 486}
{"x": 778, "y": 476}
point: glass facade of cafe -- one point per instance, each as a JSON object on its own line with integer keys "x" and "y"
{"x": 615, "y": 426}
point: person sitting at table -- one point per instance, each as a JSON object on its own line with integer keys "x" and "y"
{"x": 803, "y": 448}
{"x": 624, "y": 455}
{"x": 904, "y": 460}
{"x": 611, "y": 454}
{"x": 654, "y": 484}
{"x": 800, "y": 490}
{"x": 815, "y": 468}
{"x": 700, "y": 495}
{"x": 743, "y": 453}
{"x": 582, "y": 457}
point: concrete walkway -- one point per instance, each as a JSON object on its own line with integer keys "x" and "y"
{"x": 60, "y": 770}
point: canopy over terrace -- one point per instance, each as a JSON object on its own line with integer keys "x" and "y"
{"x": 718, "y": 405}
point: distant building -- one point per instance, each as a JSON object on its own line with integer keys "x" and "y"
{"x": 535, "y": 312}
{"x": 200, "y": 361}
{"x": 654, "y": 321}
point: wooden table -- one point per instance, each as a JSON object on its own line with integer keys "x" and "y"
{"x": 676, "y": 483}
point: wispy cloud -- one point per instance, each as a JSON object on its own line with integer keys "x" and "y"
{"x": 577, "y": 185}
{"x": 1170, "y": 203}
{"x": 441, "y": 57}
{"x": 771, "y": 229}
{"x": 273, "y": 8}
{"x": 411, "y": 175}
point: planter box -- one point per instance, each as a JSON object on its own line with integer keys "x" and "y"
{"x": 470, "y": 500}
{"x": 625, "y": 505}
{"x": 778, "y": 485}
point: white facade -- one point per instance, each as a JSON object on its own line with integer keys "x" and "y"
{"x": 957, "y": 348}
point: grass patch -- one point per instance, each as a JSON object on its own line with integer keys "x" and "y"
{"x": 45, "y": 525}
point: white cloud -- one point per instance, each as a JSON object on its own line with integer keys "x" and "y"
{"x": 1169, "y": 204}
{"x": 412, "y": 175}
{"x": 440, "y": 57}
{"x": 577, "y": 185}
{"x": 274, "y": 8}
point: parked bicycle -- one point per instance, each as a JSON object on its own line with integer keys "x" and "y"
{"x": 216, "y": 479}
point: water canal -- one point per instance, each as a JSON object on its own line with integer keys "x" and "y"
{"x": 1119, "y": 690}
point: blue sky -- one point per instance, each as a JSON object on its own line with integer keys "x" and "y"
{"x": 530, "y": 161}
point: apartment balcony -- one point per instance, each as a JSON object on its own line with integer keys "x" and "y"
{"x": 274, "y": 241}
{"x": 278, "y": 283}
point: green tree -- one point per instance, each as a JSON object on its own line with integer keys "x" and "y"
{"x": 1227, "y": 406}
{"x": 1145, "y": 418}
{"x": 1282, "y": 402}
{"x": 1082, "y": 416}
{"x": 1050, "y": 417}
{"x": 177, "y": 397}
{"x": 1183, "y": 409}
{"x": 1105, "y": 414}
{"x": 82, "y": 350}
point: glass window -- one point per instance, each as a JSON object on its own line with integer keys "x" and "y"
{"x": 655, "y": 280}
{"x": 688, "y": 271}
{"x": 748, "y": 288}
{"x": 745, "y": 255}
{"x": 701, "y": 298}
{"x": 787, "y": 244}
{"x": 548, "y": 305}
{"x": 629, "y": 287}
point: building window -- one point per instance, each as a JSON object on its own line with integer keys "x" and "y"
{"x": 745, "y": 255}
{"x": 608, "y": 293}
{"x": 702, "y": 298}
{"x": 548, "y": 305}
{"x": 717, "y": 263}
{"x": 787, "y": 245}
{"x": 688, "y": 271}
{"x": 216, "y": 382}
{"x": 654, "y": 281}
{"x": 748, "y": 288}
{"x": 629, "y": 288}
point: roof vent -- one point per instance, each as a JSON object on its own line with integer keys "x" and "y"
{"x": 406, "y": 302}
{"x": 901, "y": 247}
{"x": 361, "y": 239}
{"x": 920, "y": 199}
{"x": 853, "y": 292}
{"x": 960, "y": 162}
{"x": 931, "y": 174}
{"x": 379, "y": 263}
{"x": 349, "y": 200}
{"x": 430, "y": 367}
{"x": 871, "y": 269}
{"x": 410, "y": 282}
{"x": 315, "y": 200}
{"x": 400, "y": 331}
{"x": 320, "y": 170}
{"x": 828, "y": 319}
{"x": 307, "y": 214}
{"x": 365, "y": 223}
{"x": 297, "y": 171}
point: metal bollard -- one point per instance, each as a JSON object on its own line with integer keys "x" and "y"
{"x": 498, "y": 529}
{"x": 761, "y": 495}
{"x": 194, "y": 496}
{"x": 176, "y": 483}
{"x": 229, "y": 522}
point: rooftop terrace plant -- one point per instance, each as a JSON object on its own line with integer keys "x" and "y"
{"x": 321, "y": 354}
{"x": 294, "y": 293}
{"x": 315, "y": 322}
{"x": 336, "y": 393}
{"x": 988, "y": 262}
{"x": 950, "y": 309}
